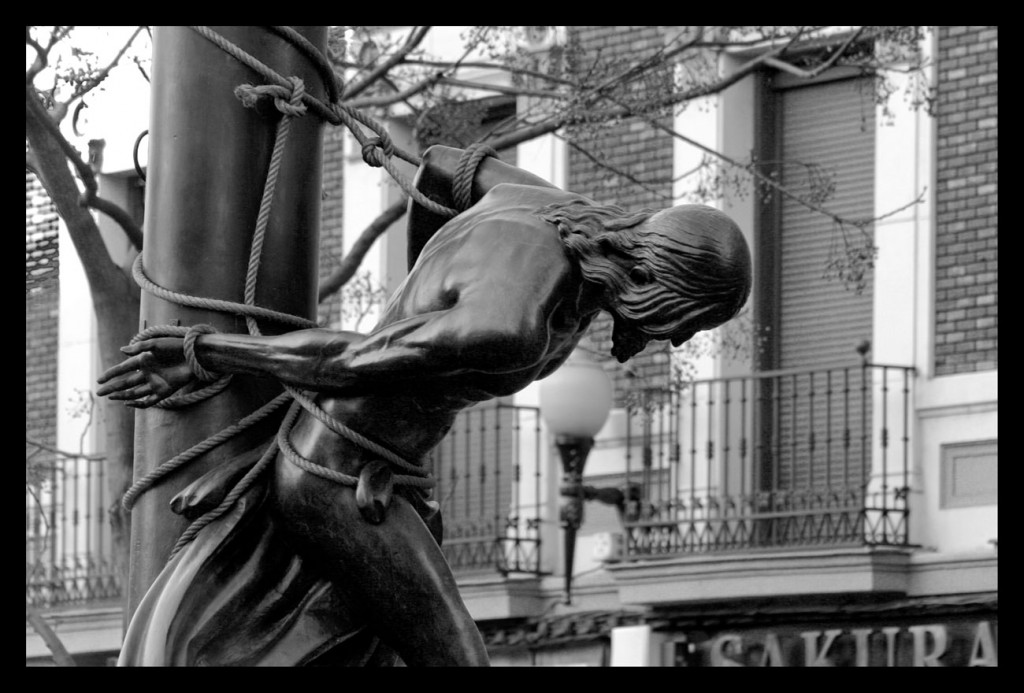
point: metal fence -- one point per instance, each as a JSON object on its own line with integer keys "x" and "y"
{"x": 774, "y": 459}
{"x": 69, "y": 557}
{"x": 489, "y": 487}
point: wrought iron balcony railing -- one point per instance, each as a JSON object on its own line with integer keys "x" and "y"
{"x": 69, "y": 556}
{"x": 774, "y": 459}
{"x": 489, "y": 487}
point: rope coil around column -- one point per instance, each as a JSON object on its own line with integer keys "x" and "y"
{"x": 465, "y": 172}
{"x": 291, "y": 100}
{"x": 336, "y": 113}
{"x": 146, "y": 482}
{"x": 213, "y": 304}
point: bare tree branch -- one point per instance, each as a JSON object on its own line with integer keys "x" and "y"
{"x": 500, "y": 89}
{"x": 61, "y": 656}
{"x": 559, "y": 120}
{"x": 42, "y": 58}
{"x": 511, "y": 69}
{"x": 614, "y": 169}
{"x": 414, "y": 39}
{"x": 350, "y": 263}
{"x": 120, "y": 216}
{"x": 88, "y": 198}
{"x": 52, "y": 155}
{"x": 810, "y": 74}
{"x": 43, "y": 53}
{"x": 379, "y": 101}
{"x": 39, "y": 445}
{"x": 775, "y": 185}
{"x": 95, "y": 80}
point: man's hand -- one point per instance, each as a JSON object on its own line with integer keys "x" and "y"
{"x": 155, "y": 369}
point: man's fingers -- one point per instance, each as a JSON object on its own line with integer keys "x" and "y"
{"x": 133, "y": 392}
{"x": 144, "y": 402}
{"x": 120, "y": 382}
{"x": 126, "y": 366}
{"x": 137, "y": 347}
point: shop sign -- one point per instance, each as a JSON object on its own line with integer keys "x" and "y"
{"x": 954, "y": 644}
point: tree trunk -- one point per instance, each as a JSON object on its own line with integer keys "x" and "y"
{"x": 61, "y": 656}
{"x": 115, "y": 299}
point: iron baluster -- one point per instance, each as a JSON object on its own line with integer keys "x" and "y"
{"x": 537, "y": 483}
{"x": 691, "y": 528}
{"x": 482, "y": 417}
{"x": 499, "y": 528}
{"x": 631, "y": 545}
{"x": 468, "y": 485}
{"x": 725, "y": 439}
{"x": 846, "y": 427}
{"x": 791, "y": 486}
{"x": 828, "y": 429}
{"x": 62, "y": 534}
{"x": 906, "y": 437}
{"x": 885, "y": 451}
{"x": 810, "y": 433}
{"x": 709, "y": 500}
{"x": 865, "y": 468}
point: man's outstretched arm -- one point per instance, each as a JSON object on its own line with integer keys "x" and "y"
{"x": 422, "y": 347}
{"x": 156, "y": 368}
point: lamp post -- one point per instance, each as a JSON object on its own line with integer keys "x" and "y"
{"x": 575, "y": 401}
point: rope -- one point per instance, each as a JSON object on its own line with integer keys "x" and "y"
{"x": 146, "y": 482}
{"x": 289, "y": 110}
{"x": 213, "y": 304}
{"x": 465, "y": 172}
{"x": 189, "y": 347}
{"x": 320, "y": 62}
{"x": 292, "y": 100}
{"x": 337, "y": 114}
{"x": 229, "y": 500}
{"x": 250, "y": 285}
{"x": 293, "y": 456}
{"x": 362, "y": 441}
{"x": 187, "y": 396}
{"x": 288, "y": 101}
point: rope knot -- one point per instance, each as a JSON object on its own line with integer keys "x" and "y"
{"x": 377, "y": 150}
{"x": 293, "y": 106}
{"x": 190, "y": 352}
{"x": 288, "y": 101}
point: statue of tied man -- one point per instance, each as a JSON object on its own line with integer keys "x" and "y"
{"x": 312, "y": 571}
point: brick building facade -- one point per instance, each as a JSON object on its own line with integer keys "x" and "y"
{"x": 707, "y": 606}
{"x": 42, "y": 295}
{"x": 631, "y": 146}
{"x": 967, "y": 201}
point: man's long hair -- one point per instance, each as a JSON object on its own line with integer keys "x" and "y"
{"x": 696, "y": 255}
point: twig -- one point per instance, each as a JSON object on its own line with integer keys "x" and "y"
{"x": 358, "y": 250}
{"x": 63, "y": 453}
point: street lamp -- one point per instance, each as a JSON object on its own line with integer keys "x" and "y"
{"x": 575, "y": 402}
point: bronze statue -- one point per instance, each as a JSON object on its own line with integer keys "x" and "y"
{"x": 308, "y": 571}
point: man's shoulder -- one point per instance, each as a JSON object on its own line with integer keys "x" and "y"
{"x": 511, "y": 204}
{"x": 531, "y": 192}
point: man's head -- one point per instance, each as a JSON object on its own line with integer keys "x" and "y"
{"x": 667, "y": 275}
